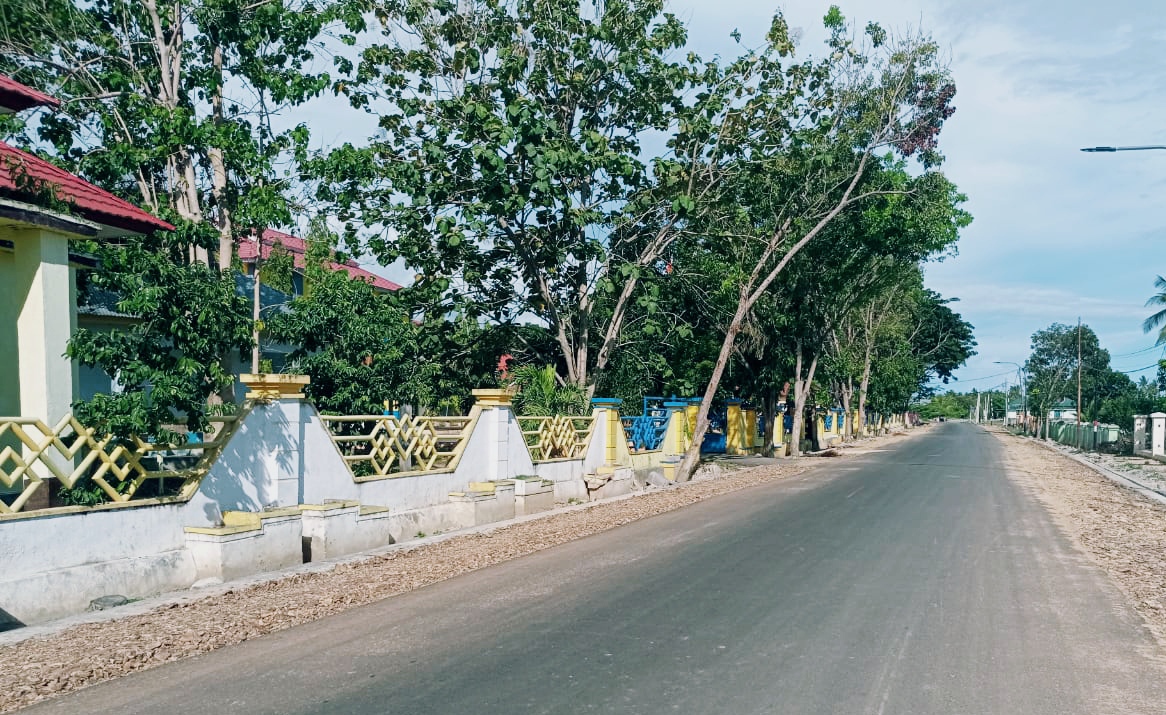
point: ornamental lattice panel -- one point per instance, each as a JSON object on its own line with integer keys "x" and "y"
{"x": 387, "y": 445}
{"x": 558, "y": 437}
{"x": 32, "y": 454}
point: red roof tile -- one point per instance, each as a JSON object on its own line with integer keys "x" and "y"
{"x": 297, "y": 247}
{"x": 84, "y": 198}
{"x": 16, "y": 97}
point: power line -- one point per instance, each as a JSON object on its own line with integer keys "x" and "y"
{"x": 1155, "y": 346}
{"x": 1130, "y": 372}
{"x": 986, "y": 377}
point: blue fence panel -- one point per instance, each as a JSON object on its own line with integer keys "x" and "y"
{"x": 646, "y": 432}
{"x": 714, "y": 439}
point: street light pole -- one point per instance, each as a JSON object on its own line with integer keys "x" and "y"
{"x": 1111, "y": 149}
{"x": 1023, "y": 387}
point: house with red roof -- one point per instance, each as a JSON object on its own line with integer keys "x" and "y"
{"x": 43, "y": 208}
{"x": 248, "y": 248}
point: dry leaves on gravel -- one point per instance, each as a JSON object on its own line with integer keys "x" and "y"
{"x": 1124, "y": 532}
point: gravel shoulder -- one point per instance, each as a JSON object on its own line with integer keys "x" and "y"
{"x": 83, "y": 654}
{"x": 1119, "y": 529}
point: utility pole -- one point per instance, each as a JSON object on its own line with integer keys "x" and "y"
{"x": 1078, "y": 410}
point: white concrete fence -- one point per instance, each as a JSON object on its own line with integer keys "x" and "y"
{"x": 283, "y": 485}
{"x": 281, "y": 493}
{"x": 1150, "y": 442}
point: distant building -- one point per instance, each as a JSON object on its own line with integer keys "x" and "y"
{"x": 1065, "y": 410}
{"x": 246, "y": 249}
{"x": 1014, "y": 412}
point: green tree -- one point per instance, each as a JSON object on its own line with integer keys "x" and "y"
{"x": 949, "y": 405}
{"x": 359, "y": 346}
{"x": 820, "y": 132}
{"x": 169, "y": 103}
{"x": 169, "y": 361}
{"x": 1052, "y": 372}
{"x": 1157, "y": 321}
{"x": 513, "y": 167}
{"x": 540, "y": 393}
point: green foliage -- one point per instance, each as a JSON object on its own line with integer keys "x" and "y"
{"x": 513, "y": 169}
{"x": 157, "y": 97}
{"x": 85, "y": 492}
{"x": 358, "y": 347}
{"x": 170, "y": 360}
{"x": 1052, "y": 374}
{"x": 278, "y": 270}
{"x": 540, "y": 393}
{"x": 949, "y": 405}
{"x": 1157, "y": 321}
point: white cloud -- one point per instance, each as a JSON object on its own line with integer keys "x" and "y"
{"x": 987, "y": 299}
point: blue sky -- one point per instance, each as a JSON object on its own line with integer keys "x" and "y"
{"x": 1058, "y": 233}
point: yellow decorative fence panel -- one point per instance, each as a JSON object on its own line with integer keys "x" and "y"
{"x": 378, "y": 446}
{"x": 558, "y": 437}
{"x": 32, "y": 453}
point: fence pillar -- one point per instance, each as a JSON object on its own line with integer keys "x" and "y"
{"x": 690, "y": 412}
{"x": 611, "y": 426}
{"x": 1139, "y": 433}
{"x": 733, "y": 420}
{"x": 749, "y": 431}
{"x": 1158, "y": 431}
{"x": 280, "y": 461}
{"x": 496, "y": 412}
{"x": 678, "y": 437}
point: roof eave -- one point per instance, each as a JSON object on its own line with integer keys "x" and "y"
{"x": 40, "y": 217}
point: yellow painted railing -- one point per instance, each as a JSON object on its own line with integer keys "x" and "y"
{"x": 32, "y": 453}
{"x": 379, "y": 446}
{"x": 558, "y": 437}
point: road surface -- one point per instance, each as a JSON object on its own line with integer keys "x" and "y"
{"x": 913, "y": 580}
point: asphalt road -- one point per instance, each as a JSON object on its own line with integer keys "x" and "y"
{"x": 914, "y": 580}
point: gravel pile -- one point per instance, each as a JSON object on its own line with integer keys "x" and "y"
{"x": 1122, "y": 531}
{"x": 86, "y": 654}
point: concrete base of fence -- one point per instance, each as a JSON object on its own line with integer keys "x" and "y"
{"x": 532, "y": 496}
{"x": 44, "y": 596}
{"x": 614, "y": 483}
{"x": 339, "y": 528}
{"x": 484, "y": 503}
{"x": 246, "y": 544}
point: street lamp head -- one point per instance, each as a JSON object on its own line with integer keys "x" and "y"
{"x": 1094, "y": 149}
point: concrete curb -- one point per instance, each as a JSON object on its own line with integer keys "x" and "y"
{"x": 1103, "y": 471}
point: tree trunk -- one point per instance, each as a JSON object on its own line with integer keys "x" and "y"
{"x": 863, "y": 385}
{"x": 802, "y": 388}
{"x": 692, "y": 457}
{"x": 847, "y": 422}
{"x": 219, "y": 170}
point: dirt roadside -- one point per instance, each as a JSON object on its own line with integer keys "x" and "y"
{"x": 44, "y": 667}
{"x": 1119, "y": 529}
